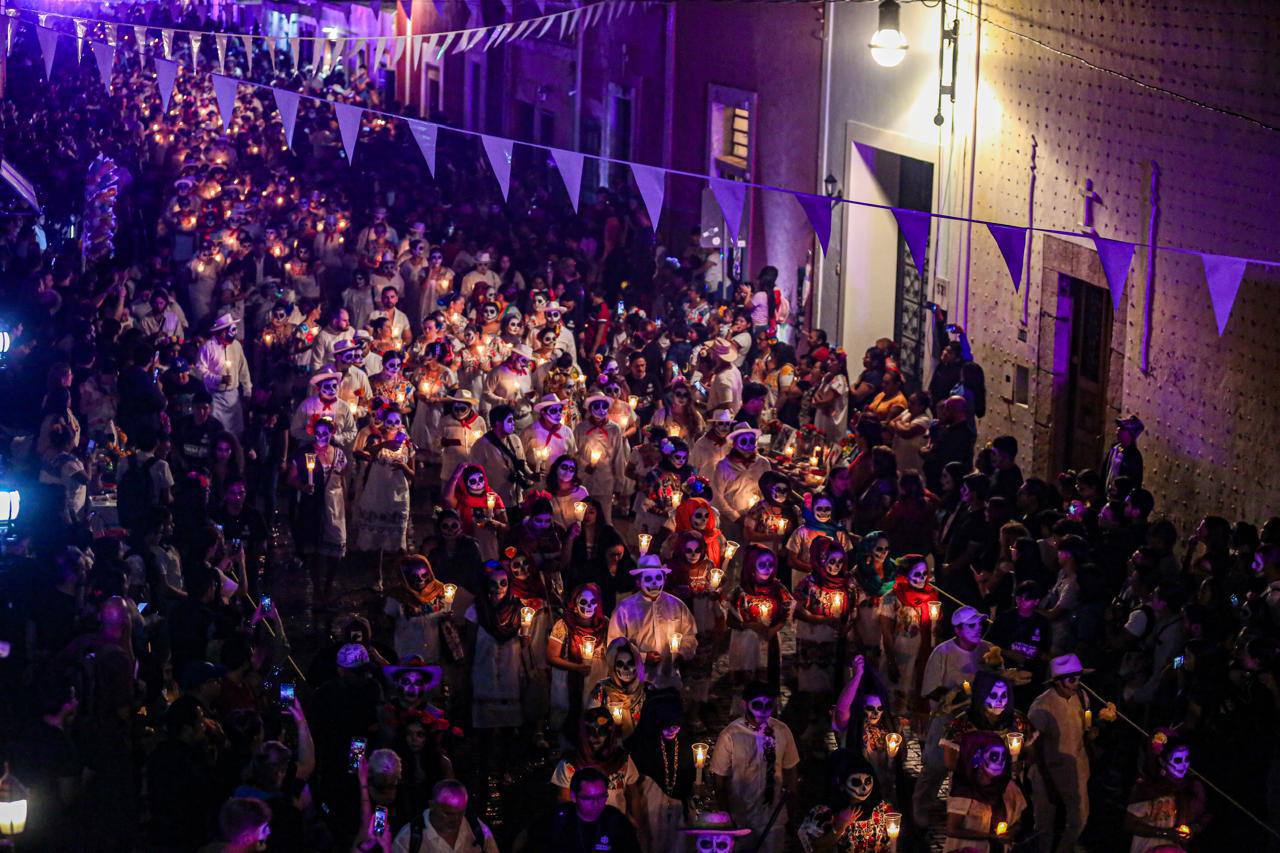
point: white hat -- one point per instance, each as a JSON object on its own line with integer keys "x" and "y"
{"x": 967, "y": 615}
{"x": 353, "y": 656}
{"x": 721, "y": 416}
{"x": 724, "y": 349}
{"x": 547, "y": 400}
{"x": 713, "y": 823}
{"x": 742, "y": 428}
{"x": 484, "y": 258}
{"x": 323, "y": 374}
{"x": 418, "y": 227}
{"x": 344, "y": 345}
{"x": 650, "y": 563}
{"x": 463, "y": 395}
{"x": 522, "y": 350}
{"x": 224, "y": 321}
{"x": 603, "y": 398}
{"x": 554, "y": 306}
{"x": 1065, "y": 665}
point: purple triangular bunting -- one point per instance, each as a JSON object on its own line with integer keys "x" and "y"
{"x": 287, "y": 104}
{"x": 1011, "y": 240}
{"x": 570, "y": 165}
{"x": 1223, "y": 275}
{"x": 105, "y": 54}
{"x": 499, "y": 152}
{"x": 732, "y": 197}
{"x": 1116, "y": 256}
{"x": 408, "y": 8}
{"x": 166, "y": 73}
{"x": 652, "y": 183}
{"x": 224, "y": 88}
{"x": 818, "y": 209}
{"x": 914, "y": 225}
{"x": 376, "y": 7}
{"x": 425, "y": 135}
{"x": 349, "y": 126}
{"x": 48, "y": 47}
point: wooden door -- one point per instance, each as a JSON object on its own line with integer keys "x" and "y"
{"x": 1090, "y": 366}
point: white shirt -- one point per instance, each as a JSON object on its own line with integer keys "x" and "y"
{"x": 223, "y": 368}
{"x": 433, "y": 843}
{"x": 649, "y": 623}
{"x": 950, "y": 666}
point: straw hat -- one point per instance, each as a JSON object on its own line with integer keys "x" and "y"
{"x": 323, "y": 374}
{"x": 713, "y": 823}
{"x": 742, "y": 428}
{"x": 463, "y": 395}
{"x": 723, "y": 349}
{"x": 547, "y": 400}
{"x": 224, "y": 321}
{"x": 721, "y": 416}
{"x": 598, "y": 398}
{"x": 523, "y": 351}
{"x": 650, "y": 563}
{"x": 1065, "y": 665}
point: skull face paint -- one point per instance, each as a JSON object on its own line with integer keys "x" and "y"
{"x": 624, "y": 668}
{"x": 993, "y": 760}
{"x": 587, "y": 604}
{"x": 651, "y": 583}
{"x": 766, "y": 564}
{"x": 745, "y": 443}
{"x": 714, "y": 844}
{"x": 918, "y": 576}
{"x": 700, "y": 517}
{"x": 476, "y": 483}
{"x": 1178, "y": 763}
{"x": 859, "y": 786}
{"x": 997, "y": 699}
{"x": 873, "y": 710}
{"x": 822, "y": 510}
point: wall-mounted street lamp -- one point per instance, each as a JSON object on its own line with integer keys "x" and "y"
{"x": 888, "y": 45}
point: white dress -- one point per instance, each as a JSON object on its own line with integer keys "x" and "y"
{"x": 497, "y": 675}
{"x": 382, "y": 509}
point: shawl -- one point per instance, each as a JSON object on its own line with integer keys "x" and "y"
{"x": 820, "y": 578}
{"x": 909, "y": 596}
{"x": 965, "y": 780}
{"x": 531, "y": 590}
{"x": 579, "y": 629}
{"x": 502, "y": 619}
{"x": 711, "y": 534}
{"x": 468, "y": 503}
{"x": 406, "y": 594}
{"x": 610, "y": 758}
{"x": 864, "y": 567}
{"x": 654, "y": 756}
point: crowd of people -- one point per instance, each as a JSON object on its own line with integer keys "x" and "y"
{"x": 591, "y": 547}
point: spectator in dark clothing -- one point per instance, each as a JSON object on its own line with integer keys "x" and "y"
{"x": 1007, "y": 478}
{"x": 142, "y": 402}
{"x": 52, "y": 613}
{"x": 242, "y": 524}
{"x": 947, "y": 374}
{"x": 44, "y": 756}
{"x": 1024, "y": 635}
{"x": 754, "y": 397}
{"x": 1124, "y": 458}
{"x": 181, "y": 387}
{"x": 867, "y": 385}
{"x": 950, "y": 440}
{"x": 587, "y": 823}
{"x": 193, "y": 436}
{"x": 345, "y": 707}
{"x": 179, "y": 779}
{"x": 191, "y": 621}
{"x": 967, "y": 539}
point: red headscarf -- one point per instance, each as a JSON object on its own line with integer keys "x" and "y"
{"x": 711, "y": 534}
{"x": 579, "y": 629}
{"x": 468, "y": 503}
{"x": 917, "y": 599}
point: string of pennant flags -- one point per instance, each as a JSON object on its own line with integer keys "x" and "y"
{"x": 1223, "y": 273}
{"x": 335, "y": 50}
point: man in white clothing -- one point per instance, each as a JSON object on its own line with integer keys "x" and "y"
{"x": 480, "y": 275}
{"x": 1061, "y": 781}
{"x": 337, "y": 329}
{"x": 324, "y": 403}
{"x": 724, "y": 387}
{"x": 547, "y": 438}
{"x": 388, "y": 300}
{"x": 713, "y": 445}
{"x": 660, "y": 624}
{"x": 602, "y": 452}
{"x": 225, "y": 373}
{"x": 445, "y": 826}
{"x": 735, "y": 481}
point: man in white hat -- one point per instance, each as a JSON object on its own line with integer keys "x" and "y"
{"x": 564, "y": 342}
{"x": 713, "y": 445}
{"x": 367, "y": 234}
{"x": 386, "y": 275}
{"x": 460, "y": 428}
{"x": 510, "y": 384}
{"x": 1062, "y": 781}
{"x": 354, "y": 389}
{"x": 950, "y": 667}
{"x": 222, "y": 367}
{"x": 336, "y": 328}
{"x": 482, "y": 274}
{"x": 602, "y": 452}
{"x": 713, "y": 832}
{"x": 547, "y": 438}
{"x": 724, "y": 382}
{"x": 651, "y": 618}
{"x": 325, "y": 403}
{"x": 735, "y": 480}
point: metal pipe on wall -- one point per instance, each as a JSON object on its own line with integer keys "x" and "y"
{"x": 973, "y": 159}
{"x": 824, "y": 131}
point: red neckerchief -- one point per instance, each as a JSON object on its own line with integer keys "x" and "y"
{"x": 519, "y": 371}
{"x": 909, "y": 596}
{"x": 469, "y": 421}
{"x": 552, "y": 432}
{"x": 602, "y": 428}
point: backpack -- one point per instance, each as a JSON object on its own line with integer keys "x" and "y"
{"x": 135, "y": 495}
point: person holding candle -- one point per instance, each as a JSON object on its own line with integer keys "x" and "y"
{"x": 575, "y": 651}
{"x": 991, "y": 710}
{"x": 460, "y": 429}
{"x": 650, "y": 617}
{"x": 713, "y": 444}
{"x": 774, "y": 518}
{"x": 483, "y": 513}
{"x": 735, "y": 480}
{"x": 319, "y": 513}
{"x": 678, "y": 415}
{"x": 758, "y": 609}
{"x": 873, "y": 572}
{"x": 1168, "y": 805}
{"x": 542, "y": 540}
{"x": 599, "y": 745}
{"x": 876, "y": 734}
{"x": 854, "y": 818}
{"x": 497, "y": 660}
{"x": 1060, "y": 785}
{"x": 753, "y": 768}
{"x": 417, "y": 607}
{"x": 589, "y": 557}
{"x": 818, "y": 513}
{"x": 696, "y": 515}
{"x": 662, "y": 489}
{"x": 985, "y": 804}
{"x": 390, "y": 384}
{"x": 910, "y": 617}
{"x": 602, "y": 452}
{"x": 455, "y": 557}
{"x": 565, "y": 490}
{"x": 510, "y": 384}
{"x": 691, "y": 581}
{"x": 622, "y": 691}
{"x": 382, "y": 507}
{"x": 325, "y": 403}
{"x": 663, "y": 753}
{"x": 222, "y": 367}
{"x": 547, "y": 438}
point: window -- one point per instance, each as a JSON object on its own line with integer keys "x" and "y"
{"x": 739, "y": 136}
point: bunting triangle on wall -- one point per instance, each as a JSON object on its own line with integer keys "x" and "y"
{"x": 1116, "y": 256}
{"x": 166, "y": 74}
{"x": 1223, "y": 275}
{"x": 732, "y": 197}
{"x": 348, "y": 126}
{"x": 914, "y": 225}
{"x": 570, "y": 165}
{"x": 224, "y": 89}
{"x": 1011, "y": 240}
{"x": 140, "y": 38}
{"x": 652, "y": 183}
{"x": 105, "y": 54}
{"x": 196, "y": 39}
{"x": 48, "y": 48}
{"x": 220, "y": 41}
{"x": 166, "y": 40}
{"x": 818, "y": 209}
{"x": 287, "y": 104}
{"x": 425, "y": 135}
{"x": 81, "y": 28}
{"x": 499, "y": 153}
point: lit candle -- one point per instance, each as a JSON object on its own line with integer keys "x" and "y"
{"x": 935, "y": 610}
{"x": 700, "y": 751}
{"x": 892, "y": 743}
{"x": 450, "y": 590}
{"x": 579, "y": 510}
{"x": 676, "y": 639}
{"x": 1088, "y": 719}
{"x": 542, "y": 453}
{"x": 267, "y": 338}
{"x": 1014, "y": 741}
{"x": 1183, "y": 830}
{"x": 596, "y": 453}
{"x": 676, "y": 499}
{"x": 790, "y": 450}
{"x": 716, "y": 576}
{"x": 634, "y": 401}
{"x": 1002, "y": 828}
{"x": 526, "y": 621}
{"x": 765, "y": 607}
{"x": 837, "y": 602}
{"x": 813, "y": 460}
{"x": 893, "y": 825}
{"x": 311, "y": 468}
{"x": 589, "y": 648}
{"x": 674, "y": 431}
{"x": 968, "y": 688}
{"x": 490, "y": 501}
{"x": 645, "y": 540}
{"x": 616, "y": 711}
{"x": 730, "y": 548}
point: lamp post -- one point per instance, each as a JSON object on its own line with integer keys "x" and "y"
{"x": 888, "y": 45}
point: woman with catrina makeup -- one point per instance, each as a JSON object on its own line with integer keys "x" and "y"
{"x": 575, "y": 651}
{"x": 854, "y": 818}
{"x": 822, "y": 609}
{"x": 623, "y": 686}
{"x": 991, "y": 710}
{"x": 758, "y": 609}
{"x": 818, "y": 520}
{"x": 1167, "y": 807}
{"x": 498, "y": 676}
{"x": 909, "y": 620}
{"x": 984, "y": 799}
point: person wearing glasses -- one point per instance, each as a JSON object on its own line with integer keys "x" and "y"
{"x": 753, "y": 769}
{"x": 1061, "y": 787}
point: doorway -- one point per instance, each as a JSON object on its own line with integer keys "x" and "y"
{"x": 1090, "y": 365}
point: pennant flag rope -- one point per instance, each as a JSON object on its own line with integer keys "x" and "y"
{"x": 224, "y": 88}
{"x": 1223, "y": 275}
{"x": 1116, "y": 256}
{"x": 48, "y": 47}
{"x": 570, "y": 165}
{"x": 1012, "y": 243}
{"x": 732, "y": 197}
{"x": 105, "y": 55}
